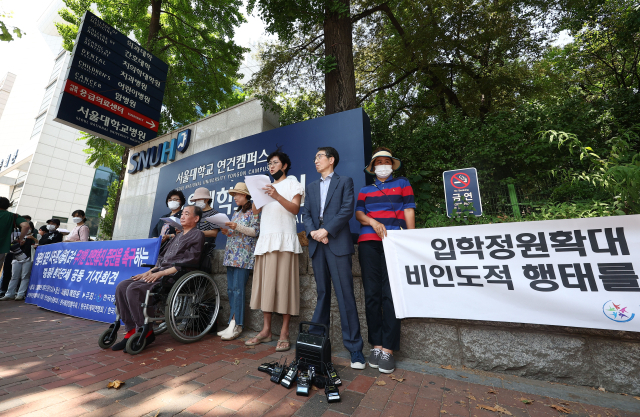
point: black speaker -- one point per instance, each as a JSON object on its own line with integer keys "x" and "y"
{"x": 313, "y": 349}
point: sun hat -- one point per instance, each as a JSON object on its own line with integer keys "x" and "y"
{"x": 201, "y": 193}
{"x": 396, "y": 162}
{"x": 240, "y": 188}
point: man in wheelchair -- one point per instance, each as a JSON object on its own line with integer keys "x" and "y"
{"x": 185, "y": 248}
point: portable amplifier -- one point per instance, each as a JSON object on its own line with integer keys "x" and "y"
{"x": 312, "y": 349}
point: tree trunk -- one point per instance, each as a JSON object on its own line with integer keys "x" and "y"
{"x": 123, "y": 171}
{"x": 154, "y": 25}
{"x": 340, "y": 83}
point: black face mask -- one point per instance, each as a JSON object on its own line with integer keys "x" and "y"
{"x": 277, "y": 175}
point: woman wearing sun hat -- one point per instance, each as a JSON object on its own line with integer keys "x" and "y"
{"x": 387, "y": 204}
{"x": 239, "y": 259}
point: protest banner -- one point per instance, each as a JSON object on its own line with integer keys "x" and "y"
{"x": 80, "y": 278}
{"x": 579, "y": 272}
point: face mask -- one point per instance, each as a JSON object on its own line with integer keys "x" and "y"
{"x": 51, "y": 227}
{"x": 77, "y": 219}
{"x": 277, "y": 175}
{"x": 173, "y": 205}
{"x": 383, "y": 171}
{"x": 200, "y": 204}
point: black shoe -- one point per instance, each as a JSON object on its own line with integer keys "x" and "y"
{"x": 120, "y": 345}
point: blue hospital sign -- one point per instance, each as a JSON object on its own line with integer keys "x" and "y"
{"x": 461, "y": 189}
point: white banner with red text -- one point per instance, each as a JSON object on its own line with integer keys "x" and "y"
{"x": 578, "y": 272}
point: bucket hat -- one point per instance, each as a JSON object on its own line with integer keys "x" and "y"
{"x": 201, "y": 193}
{"x": 396, "y": 162}
{"x": 240, "y": 188}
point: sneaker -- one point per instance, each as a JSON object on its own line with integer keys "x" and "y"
{"x": 386, "y": 363}
{"x": 374, "y": 358}
{"x": 7, "y": 298}
{"x": 237, "y": 330}
{"x": 357, "y": 360}
{"x": 19, "y": 298}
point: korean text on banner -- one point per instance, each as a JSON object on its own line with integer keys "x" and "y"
{"x": 579, "y": 273}
{"x": 80, "y": 278}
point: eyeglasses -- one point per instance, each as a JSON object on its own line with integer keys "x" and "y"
{"x": 274, "y": 163}
{"x": 318, "y": 156}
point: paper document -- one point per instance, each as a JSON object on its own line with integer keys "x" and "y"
{"x": 255, "y": 184}
{"x": 219, "y": 220}
{"x": 172, "y": 221}
{"x": 63, "y": 231}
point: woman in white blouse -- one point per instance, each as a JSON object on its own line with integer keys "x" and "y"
{"x": 80, "y": 233}
{"x": 276, "y": 281}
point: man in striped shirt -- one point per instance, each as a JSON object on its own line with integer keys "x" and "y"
{"x": 387, "y": 204}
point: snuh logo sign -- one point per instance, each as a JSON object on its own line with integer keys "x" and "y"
{"x": 160, "y": 154}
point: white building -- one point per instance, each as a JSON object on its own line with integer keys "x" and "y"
{"x": 43, "y": 166}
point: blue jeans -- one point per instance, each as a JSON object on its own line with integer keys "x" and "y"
{"x": 236, "y": 281}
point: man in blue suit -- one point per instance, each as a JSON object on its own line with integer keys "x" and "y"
{"x": 328, "y": 207}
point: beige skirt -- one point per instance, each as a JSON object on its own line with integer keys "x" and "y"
{"x": 276, "y": 283}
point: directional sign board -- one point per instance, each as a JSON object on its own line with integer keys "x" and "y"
{"x": 459, "y": 185}
{"x": 113, "y": 87}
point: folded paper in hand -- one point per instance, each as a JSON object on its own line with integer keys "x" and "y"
{"x": 219, "y": 220}
{"x": 255, "y": 184}
{"x": 172, "y": 221}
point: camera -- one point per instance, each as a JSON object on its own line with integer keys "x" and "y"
{"x": 304, "y": 384}
{"x": 291, "y": 374}
{"x": 333, "y": 375}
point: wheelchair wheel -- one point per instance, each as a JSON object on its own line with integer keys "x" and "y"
{"x": 192, "y": 307}
{"x": 132, "y": 340}
{"x": 105, "y": 341}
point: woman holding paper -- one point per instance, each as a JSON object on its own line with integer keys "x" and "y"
{"x": 175, "y": 200}
{"x": 242, "y": 233}
{"x": 276, "y": 283}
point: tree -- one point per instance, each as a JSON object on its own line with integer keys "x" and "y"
{"x": 7, "y": 32}
{"x": 431, "y": 56}
{"x": 195, "y": 37}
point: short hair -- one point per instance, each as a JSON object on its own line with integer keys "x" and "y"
{"x": 283, "y": 157}
{"x": 44, "y": 228}
{"x": 27, "y": 217}
{"x": 4, "y": 203}
{"x": 32, "y": 226}
{"x": 179, "y": 194}
{"x": 331, "y": 153}
{"x": 197, "y": 211}
{"x": 54, "y": 221}
{"x": 380, "y": 149}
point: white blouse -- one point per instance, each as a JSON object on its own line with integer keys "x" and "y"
{"x": 277, "y": 225}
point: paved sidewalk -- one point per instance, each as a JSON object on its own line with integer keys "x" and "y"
{"x": 50, "y": 365}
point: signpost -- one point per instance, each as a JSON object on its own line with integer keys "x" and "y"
{"x": 113, "y": 87}
{"x": 462, "y": 184}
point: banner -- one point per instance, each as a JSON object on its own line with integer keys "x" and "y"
{"x": 579, "y": 273}
{"x": 80, "y": 278}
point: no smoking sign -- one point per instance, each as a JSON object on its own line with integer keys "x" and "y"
{"x": 461, "y": 190}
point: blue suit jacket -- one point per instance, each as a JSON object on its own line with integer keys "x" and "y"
{"x": 338, "y": 210}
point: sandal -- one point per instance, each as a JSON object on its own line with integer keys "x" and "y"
{"x": 280, "y": 348}
{"x": 257, "y": 340}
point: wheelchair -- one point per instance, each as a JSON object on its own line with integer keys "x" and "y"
{"x": 190, "y": 306}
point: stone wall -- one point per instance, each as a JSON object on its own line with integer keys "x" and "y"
{"x": 576, "y": 356}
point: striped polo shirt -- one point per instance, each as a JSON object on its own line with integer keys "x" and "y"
{"x": 385, "y": 202}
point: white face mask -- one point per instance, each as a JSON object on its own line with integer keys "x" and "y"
{"x": 173, "y": 205}
{"x": 77, "y": 219}
{"x": 383, "y": 171}
{"x": 200, "y": 204}
{"x": 51, "y": 227}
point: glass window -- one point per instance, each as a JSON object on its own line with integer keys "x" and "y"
{"x": 98, "y": 197}
{"x": 39, "y": 123}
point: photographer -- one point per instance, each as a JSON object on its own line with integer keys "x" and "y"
{"x": 8, "y": 224}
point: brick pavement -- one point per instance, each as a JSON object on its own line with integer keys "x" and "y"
{"x": 50, "y": 364}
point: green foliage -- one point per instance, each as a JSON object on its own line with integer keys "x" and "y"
{"x": 194, "y": 37}
{"x": 103, "y": 152}
{"x": 106, "y": 224}
{"x": 8, "y": 32}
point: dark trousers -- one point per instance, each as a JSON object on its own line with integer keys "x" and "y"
{"x": 129, "y": 295}
{"x": 328, "y": 268}
{"x": 7, "y": 270}
{"x": 384, "y": 327}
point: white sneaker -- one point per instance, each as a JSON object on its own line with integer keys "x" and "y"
{"x": 229, "y": 330}
{"x": 237, "y": 330}
{"x": 7, "y": 298}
